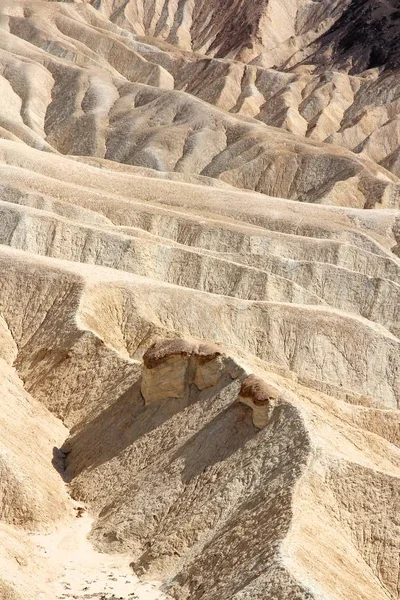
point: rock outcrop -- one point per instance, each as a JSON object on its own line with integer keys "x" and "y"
{"x": 172, "y": 366}
{"x": 200, "y": 294}
{"x": 261, "y": 397}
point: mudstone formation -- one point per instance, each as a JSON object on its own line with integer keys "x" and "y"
{"x": 200, "y": 297}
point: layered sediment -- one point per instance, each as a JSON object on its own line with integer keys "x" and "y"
{"x": 199, "y": 300}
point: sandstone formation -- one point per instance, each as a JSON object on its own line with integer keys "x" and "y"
{"x": 199, "y": 299}
{"x": 261, "y": 397}
{"x": 171, "y": 367}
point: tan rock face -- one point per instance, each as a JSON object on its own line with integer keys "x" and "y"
{"x": 168, "y": 379}
{"x": 172, "y": 366}
{"x": 199, "y": 319}
{"x": 261, "y": 397}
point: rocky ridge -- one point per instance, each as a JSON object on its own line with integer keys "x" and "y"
{"x": 199, "y": 309}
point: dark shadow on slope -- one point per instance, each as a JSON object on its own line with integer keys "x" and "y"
{"x": 123, "y": 424}
{"x": 229, "y": 431}
{"x": 262, "y": 466}
{"x": 58, "y": 461}
{"x": 366, "y": 34}
{"x": 217, "y": 440}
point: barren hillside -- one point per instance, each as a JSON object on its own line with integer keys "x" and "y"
{"x": 199, "y": 309}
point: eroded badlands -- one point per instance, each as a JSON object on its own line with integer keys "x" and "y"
{"x": 199, "y": 300}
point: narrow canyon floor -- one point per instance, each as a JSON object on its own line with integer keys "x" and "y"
{"x": 79, "y": 572}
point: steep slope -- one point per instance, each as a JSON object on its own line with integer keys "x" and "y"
{"x": 199, "y": 319}
{"x": 86, "y": 107}
{"x": 107, "y": 317}
{"x": 348, "y": 34}
{"x": 327, "y": 71}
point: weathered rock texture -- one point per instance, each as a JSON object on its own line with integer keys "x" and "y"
{"x": 199, "y": 319}
{"x": 261, "y": 397}
{"x": 171, "y": 367}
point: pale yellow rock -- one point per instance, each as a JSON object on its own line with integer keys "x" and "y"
{"x": 208, "y": 373}
{"x": 261, "y": 397}
{"x": 167, "y": 380}
{"x": 172, "y": 366}
{"x": 199, "y": 319}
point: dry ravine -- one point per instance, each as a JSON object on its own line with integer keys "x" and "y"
{"x": 199, "y": 300}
